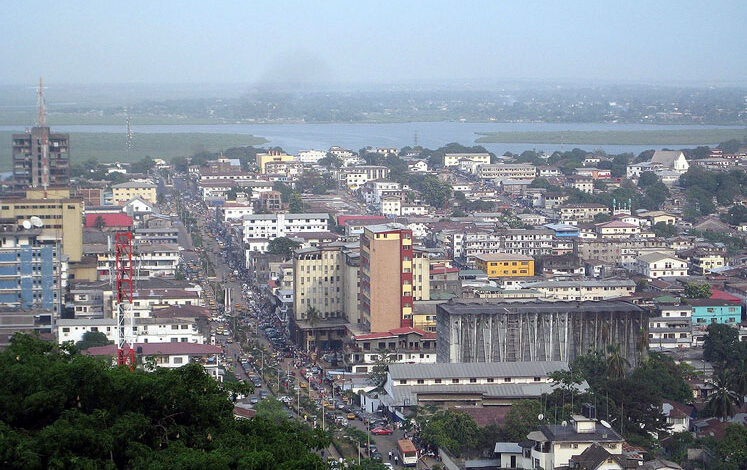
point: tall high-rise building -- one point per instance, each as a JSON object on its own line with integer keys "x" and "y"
{"x": 325, "y": 294}
{"x": 387, "y": 287}
{"x": 33, "y": 278}
{"x": 41, "y": 158}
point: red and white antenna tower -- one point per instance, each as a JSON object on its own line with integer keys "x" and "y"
{"x": 41, "y": 117}
{"x": 125, "y": 318}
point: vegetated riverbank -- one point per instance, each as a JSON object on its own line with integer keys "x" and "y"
{"x": 111, "y": 147}
{"x": 703, "y": 136}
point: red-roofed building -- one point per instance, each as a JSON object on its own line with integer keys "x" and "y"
{"x": 404, "y": 345}
{"x": 109, "y": 220}
{"x": 343, "y": 219}
{"x": 721, "y": 295}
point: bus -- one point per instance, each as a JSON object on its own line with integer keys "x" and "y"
{"x": 408, "y": 455}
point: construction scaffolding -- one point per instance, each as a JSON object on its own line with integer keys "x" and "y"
{"x": 537, "y": 331}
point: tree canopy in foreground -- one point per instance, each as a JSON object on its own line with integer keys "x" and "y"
{"x": 62, "y": 409}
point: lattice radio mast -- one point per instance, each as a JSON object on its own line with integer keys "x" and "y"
{"x": 125, "y": 318}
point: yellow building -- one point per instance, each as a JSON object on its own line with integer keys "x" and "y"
{"x": 263, "y": 159}
{"x": 123, "y": 192}
{"x": 505, "y": 265}
{"x": 61, "y": 216}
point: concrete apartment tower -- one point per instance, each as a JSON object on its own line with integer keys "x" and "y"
{"x": 41, "y": 159}
{"x": 386, "y": 285}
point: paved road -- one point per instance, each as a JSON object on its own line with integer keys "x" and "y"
{"x": 220, "y": 259}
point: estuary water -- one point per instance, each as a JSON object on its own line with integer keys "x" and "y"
{"x": 295, "y": 137}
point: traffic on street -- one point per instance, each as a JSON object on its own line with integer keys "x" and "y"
{"x": 257, "y": 348}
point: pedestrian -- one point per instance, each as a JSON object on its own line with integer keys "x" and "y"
{"x": 396, "y": 460}
{"x": 390, "y": 455}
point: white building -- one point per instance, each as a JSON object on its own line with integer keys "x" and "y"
{"x": 414, "y": 209}
{"x": 391, "y": 206}
{"x": 373, "y": 191}
{"x": 554, "y": 445}
{"x": 452, "y": 159}
{"x": 592, "y": 289}
{"x": 172, "y": 355}
{"x": 419, "y": 166}
{"x": 507, "y": 171}
{"x": 672, "y": 328}
{"x": 270, "y": 226}
{"x": 150, "y": 260}
{"x": 233, "y": 211}
{"x": 146, "y": 330}
{"x": 311, "y": 156}
{"x": 656, "y": 265}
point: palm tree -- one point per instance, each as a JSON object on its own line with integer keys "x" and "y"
{"x": 739, "y": 378}
{"x": 313, "y": 316}
{"x": 723, "y": 401}
{"x": 617, "y": 364}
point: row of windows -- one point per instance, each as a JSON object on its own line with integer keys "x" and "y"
{"x": 471, "y": 380}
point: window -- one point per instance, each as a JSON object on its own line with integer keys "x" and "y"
{"x": 177, "y": 360}
{"x": 421, "y": 381}
{"x": 472, "y": 380}
{"x": 507, "y": 379}
{"x": 438, "y": 381}
{"x": 403, "y": 382}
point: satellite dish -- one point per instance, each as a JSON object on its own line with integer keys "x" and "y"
{"x": 605, "y": 424}
{"x": 26, "y": 224}
{"x": 541, "y": 417}
{"x": 564, "y": 423}
{"x": 36, "y": 221}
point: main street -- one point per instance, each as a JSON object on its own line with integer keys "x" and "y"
{"x": 250, "y": 308}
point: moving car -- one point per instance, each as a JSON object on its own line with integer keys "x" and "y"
{"x": 382, "y": 431}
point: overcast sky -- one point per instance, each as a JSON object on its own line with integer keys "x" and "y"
{"x": 353, "y": 41}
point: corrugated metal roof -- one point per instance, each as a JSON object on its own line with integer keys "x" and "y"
{"x": 475, "y": 370}
{"x": 488, "y": 306}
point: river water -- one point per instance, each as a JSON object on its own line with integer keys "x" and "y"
{"x": 295, "y": 137}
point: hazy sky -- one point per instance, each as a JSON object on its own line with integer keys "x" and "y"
{"x": 703, "y": 42}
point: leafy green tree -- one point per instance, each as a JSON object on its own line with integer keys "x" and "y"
{"x": 694, "y": 290}
{"x": 452, "y": 430}
{"x": 435, "y": 192}
{"x": 91, "y": 339}
{"x": 737, "y": 215}
{"x": 656, "y": 194}
{"x": 296, "y": 205}
{"x": 270, "y": 409}
{"x": 730, "y": 146}
{"x": 601, "y": 217}
{"x": 731, "y": 449}
{"x": 283, "y": 246}
{"x": 664, "y": 230}
{"x": 99, "y": 223}
{"x": 647, "y": 179}
{"x": 665, "y": 375}
{"x": 65, "y": 410}
{"x": 720, "y": 344}
{"x": 522, "y": 417}
{"x": 144, "y": 165}
{"x": 377, "y": 375}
